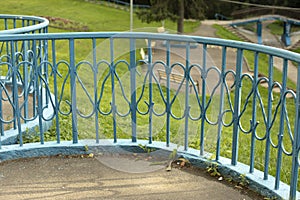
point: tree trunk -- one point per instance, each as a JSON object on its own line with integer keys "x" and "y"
{"x": 180, "y": 16}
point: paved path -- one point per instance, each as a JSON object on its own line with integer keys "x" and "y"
{"x": 269, "y": 39}
{"x": 97, "y": 178}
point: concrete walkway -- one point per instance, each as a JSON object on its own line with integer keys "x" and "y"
{"x": 109, "y": 177}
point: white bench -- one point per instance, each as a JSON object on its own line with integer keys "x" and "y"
{"x": 176, "y": 78}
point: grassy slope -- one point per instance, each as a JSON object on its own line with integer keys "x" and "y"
{"x": 225, "y": 34}
{"x": 245, "y": 139}
{"x": 96, "y": 17}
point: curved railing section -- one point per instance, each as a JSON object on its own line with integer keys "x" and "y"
{"x": 108, "y": 86}
{"x": 19, "y": 24}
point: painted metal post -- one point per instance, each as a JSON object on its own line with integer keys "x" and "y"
{"x": 25, "y": 79}
{"x": 254, "y": 108}
{"x": 95, "y": 70}
{"x": 15, "y": 93}
{"x": 151, "y": 104}
{"x": 73, "y": 91}
{"x": 187, "y": 106}
{"x": 203, "y": 98}
{"x": 296, "y": 145}
{"x": 44, "y": 50}
{"x": 113, "y": 95}
{"x": 281, "y": 125}
{"x": 55, "y": 70}
{"x": 168, "y": 106}
{"x": 269, "y": 118}
{"x": 237, "y": 104}
{"x": 220, "y": 125}
{"x": 133, "y": 106}
{"x": 259, "y": 32}
{"x": 285, "y": 37}
{"x": 39, "y": 90}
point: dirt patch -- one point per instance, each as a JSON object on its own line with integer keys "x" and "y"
{"x": 7, "y": 107}
{"x": 66, "y": 24}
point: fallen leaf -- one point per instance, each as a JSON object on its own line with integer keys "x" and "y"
{"x": 182, "y": 164}
{"x": 169, "y": 168}
{"x": 91, "y": 155}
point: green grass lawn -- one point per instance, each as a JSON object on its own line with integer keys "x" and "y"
{"x": 96, "y": 17}
{"x": 245, "y": 139}
{"x": 277, "y": 28}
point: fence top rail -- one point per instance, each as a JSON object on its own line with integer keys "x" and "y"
{"x": 285, "y": 54}
{"x": 43, "y": 22}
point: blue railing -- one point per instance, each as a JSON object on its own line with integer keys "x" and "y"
{"x": 16, "y": 24}
{"x": 97, "y": 86}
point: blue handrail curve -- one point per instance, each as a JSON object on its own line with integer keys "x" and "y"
{"x": 29, "y": 24}
{"x": 97, "y": 81}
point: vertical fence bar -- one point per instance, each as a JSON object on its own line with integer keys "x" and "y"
{"x": 33, "y": 23}
{"x": 39, "y": 91}
{"x": 113, "y": 100}
{"x": 1, "y": 117}
{"x": 168, "y": 106}
{"x": 296, "y": 144}
{"x": 73, "y": 90}
{"x": 203, "y": 99}
{"x": 44, "y": 56}
{"x": 237, "y": 104}
{"x": 151, "y": 104}
{"x": 39, "y": 61}
{"x": 1, "y": 114}
{"x": 133, "y": 88}
{"x": 281, "y": 125}
{"x": 15, "y": 24}
{"x": 35, "y": 78}
{"x": 55, "y": 71}
{"x": 253, "y": 121}
{"x": 220, "y": 125}
{"x": 269, "y": 118}
{"x": 25, "y": 79}
{"x": 95, "y": 68}
{"x": 14, "y": 67}
{"x": 5, "y": 24}
{"x": 187, "y": 106}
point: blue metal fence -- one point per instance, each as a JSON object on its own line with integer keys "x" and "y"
{"x": 25, "y": 50}
{"x": 14, "y": 24}
{"x": 99, "y": 79}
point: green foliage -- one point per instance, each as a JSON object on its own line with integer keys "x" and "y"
{"x": 168, "y": 9}
{"x": 31, "y": 136}
{"x": 243, "y": 180}
{"x": 276, "y": 27}
{"x": 212, "y": 169}
{"x": 224, "y": 33}
{"x": 161, "y": 10}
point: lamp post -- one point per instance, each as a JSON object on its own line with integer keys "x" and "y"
{"x": 131, "y": 15}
